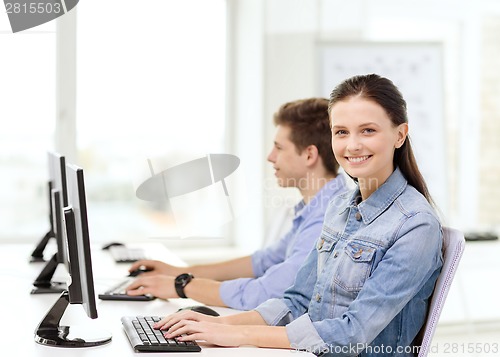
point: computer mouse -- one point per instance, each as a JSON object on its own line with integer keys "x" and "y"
{"x": 202, "y": 309}
{"x": 112, "y": 244}
{"x": 136, "y": 272}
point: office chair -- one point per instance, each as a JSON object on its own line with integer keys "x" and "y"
{"x": 453, "y": 247}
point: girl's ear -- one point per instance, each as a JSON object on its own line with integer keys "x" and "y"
{"x": 402, "y": 133}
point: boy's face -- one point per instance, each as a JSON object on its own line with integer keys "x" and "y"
{"x": 289, "y": 165}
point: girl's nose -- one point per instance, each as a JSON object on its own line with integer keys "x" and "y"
{"x": 354, "y": 144}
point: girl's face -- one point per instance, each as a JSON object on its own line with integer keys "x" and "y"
{"x": 364, "y": 139}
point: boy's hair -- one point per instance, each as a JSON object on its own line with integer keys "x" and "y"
{"x": 310, "y": 125}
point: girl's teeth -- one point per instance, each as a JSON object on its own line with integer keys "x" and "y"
{"x": 358, "y": 159}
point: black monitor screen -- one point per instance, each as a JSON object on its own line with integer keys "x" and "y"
{"x": 57, "y": 169}
{"x": 81, "y": 287}
{"x": 57, "y": 181}
{"x": 78, "y": 237}
{"x": 57, "y": 174}
{"x": 58, "y": 199}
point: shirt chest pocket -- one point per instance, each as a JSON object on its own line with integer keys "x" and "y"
{"x": 354, "y": 266}
{"x": 324, "y": 246}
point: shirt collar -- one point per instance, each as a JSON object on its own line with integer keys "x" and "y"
{"x": 381, "y": 199}
{"x": 322, "y": 197}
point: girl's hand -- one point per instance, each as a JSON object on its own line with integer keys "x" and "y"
{"x": 169, "y": 321}
{"x": 190, "y": 326}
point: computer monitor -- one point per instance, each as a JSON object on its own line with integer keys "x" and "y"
{"x": 57, "y": 180}
{"x": 58, "y": 199}
{"x": 81, "y": 287}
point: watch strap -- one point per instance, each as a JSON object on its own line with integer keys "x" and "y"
{"x": 180, "y": 283}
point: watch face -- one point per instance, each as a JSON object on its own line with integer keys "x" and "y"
{"x": 183, "y": 279}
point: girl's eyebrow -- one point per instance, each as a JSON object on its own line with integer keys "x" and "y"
{"x": 364, "y": 124}
{"x": 369, "y": 123}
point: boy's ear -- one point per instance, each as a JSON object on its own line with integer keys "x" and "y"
{"x": 312, "y": 153}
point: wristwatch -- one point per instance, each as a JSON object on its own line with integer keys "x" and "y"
{"x": 180, "y": 283}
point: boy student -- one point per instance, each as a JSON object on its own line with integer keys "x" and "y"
{"x": 303, "y": 159}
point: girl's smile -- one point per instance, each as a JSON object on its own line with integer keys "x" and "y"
{"x": 355, "y": 160}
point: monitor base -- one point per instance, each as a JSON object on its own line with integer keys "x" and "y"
{"x": 50, "y": 333}
{"x": 72, "y": 336}
{"x": 52, "y": 288}
{"x": 37, "y": 259}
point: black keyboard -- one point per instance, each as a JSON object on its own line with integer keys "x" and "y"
{"x": 123, "y": 254}
{"x": 118, "y": 292}
{"x": 144, "y": 338}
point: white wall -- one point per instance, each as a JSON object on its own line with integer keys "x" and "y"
{"x": 245, "y": 112}
{"x": 293, "y": 30}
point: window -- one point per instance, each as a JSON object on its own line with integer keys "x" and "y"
{"x": 150, "y": 85}
{"x": 27, "y": 72}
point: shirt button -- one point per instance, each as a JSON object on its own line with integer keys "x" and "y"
{"x": 318, "y": 297}
{"x": 336, "y": 254}
{"x": 358, "y": 254}
{"x": 358, "y": 216}
{"x": 320, "y": 245}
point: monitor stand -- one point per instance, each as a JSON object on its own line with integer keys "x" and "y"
{"x": 37, "y": 254}
{"x": 50, "y": 333}
{"x": 44, "y": 284}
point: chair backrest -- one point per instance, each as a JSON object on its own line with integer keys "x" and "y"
{"x": 453, "y": 248}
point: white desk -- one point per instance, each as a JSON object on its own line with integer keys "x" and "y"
{"x": 21, "y": 312}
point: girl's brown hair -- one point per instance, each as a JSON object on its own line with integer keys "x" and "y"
{"x": 383, "y": 92}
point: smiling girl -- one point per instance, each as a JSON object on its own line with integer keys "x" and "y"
{"x": 365, "y": 287}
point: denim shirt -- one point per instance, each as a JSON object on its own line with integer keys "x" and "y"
{"x": 275, "y": 266}
{"x": 364, "y": 289}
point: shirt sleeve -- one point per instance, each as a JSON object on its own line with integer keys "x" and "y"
{"x": 274, "y": 270}
{"x": 273, "y": 254}
{"x": 279, "y": 312}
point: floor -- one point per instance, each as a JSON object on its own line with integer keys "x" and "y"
{"x": 479, "y": 339}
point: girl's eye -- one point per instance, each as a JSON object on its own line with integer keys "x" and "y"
{"x": 340, "y": 132}
{"x": 368, "y": 131}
